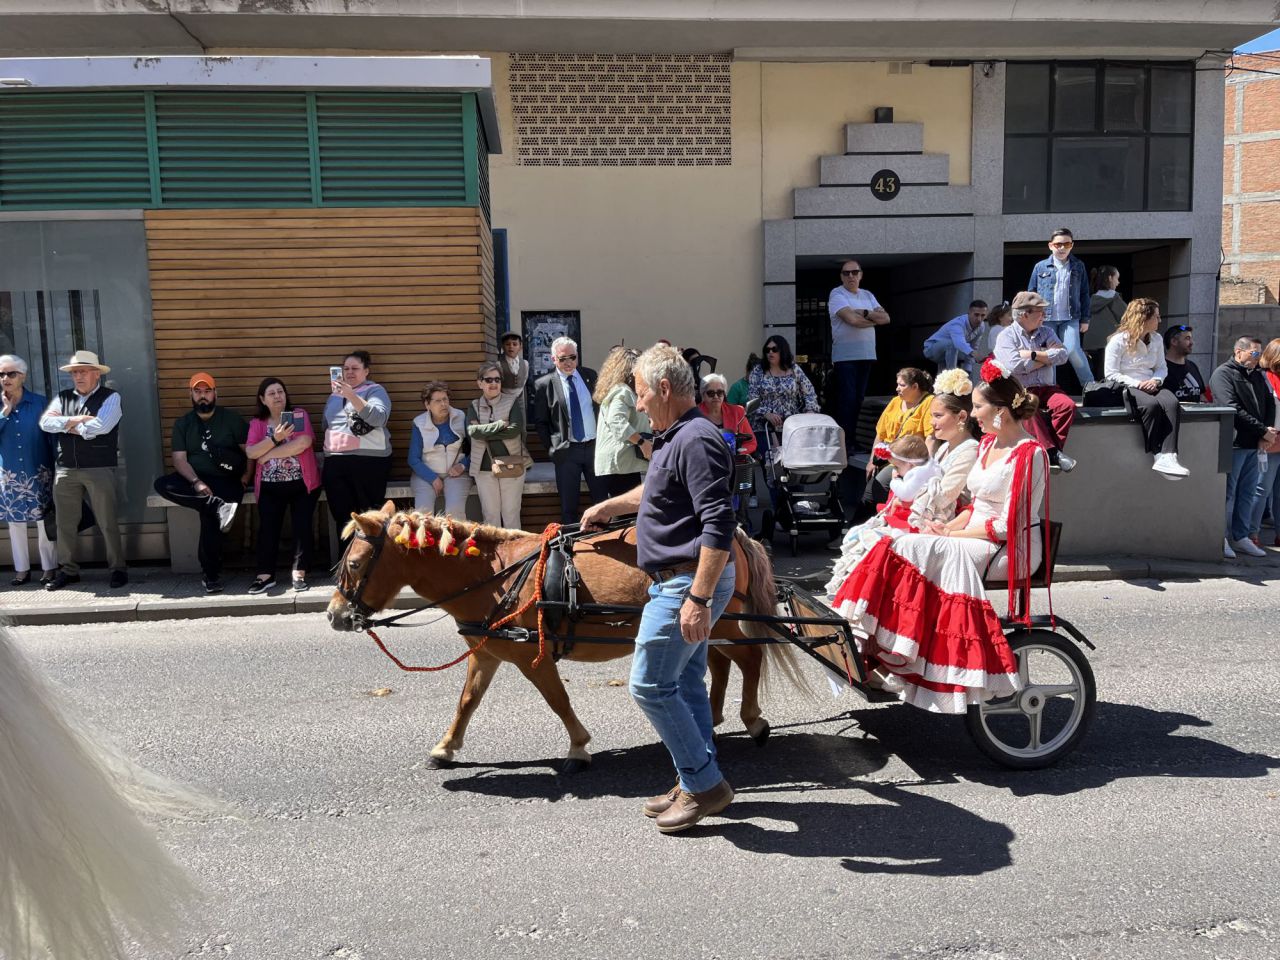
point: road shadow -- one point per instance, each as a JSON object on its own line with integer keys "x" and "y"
{"x": 882, "y": 828}
{"x": 1124, "y": 741}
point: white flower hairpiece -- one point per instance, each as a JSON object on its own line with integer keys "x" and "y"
{"x": 955, "y": 382}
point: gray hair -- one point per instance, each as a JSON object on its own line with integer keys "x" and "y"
{"x": 559, "y": 342}
{"x": 714, "y": 378}
{"x": 1244, "y": 343}
{"x": 16, "y": 360}
{"x": 486, "y": 366}
{"x": 662, "y": 362}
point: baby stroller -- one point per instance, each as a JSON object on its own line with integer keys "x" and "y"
{"x": 805, "y": 471}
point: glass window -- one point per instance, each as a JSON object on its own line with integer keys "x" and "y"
{"x": 1124, "y": 99}
{"x": 1171, "y": 100}
{"x": 1074, "y": 98}
{"x": 1026, "y": 104}
{"x": 1097, "y": 173}
{"x": 1169, "y": 174}
{"x": 1095, "y": 136}
{"x": 1026, "y": 169}
{"x": 71, "y": 285}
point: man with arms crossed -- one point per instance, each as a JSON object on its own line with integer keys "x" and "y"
{"x": 855, "y": 314}
{"x": 684, "y": 534}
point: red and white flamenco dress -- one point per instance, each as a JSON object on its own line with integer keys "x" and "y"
{"x": 919, "y": 597}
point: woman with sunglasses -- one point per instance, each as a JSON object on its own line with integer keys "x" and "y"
{"x": 782, "y": 389}
{"x": 495, "y": 424}
{"x": 26, "y": 471}
{"x": 623, "y": 444}
{"x": 729, "y": 417}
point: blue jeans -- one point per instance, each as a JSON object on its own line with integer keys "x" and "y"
{"x": 1268, "y": 491}
{"x": 1242, "y": 491}
{"x": 852, "y": 377}
{"x": 667, "y": 679}
{"x": 948, "y": 356}
{"x": 1069, "y": 333}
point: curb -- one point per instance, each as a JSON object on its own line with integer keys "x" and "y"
{"x": 150, "y": 609}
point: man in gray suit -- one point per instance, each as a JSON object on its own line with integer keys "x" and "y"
{"x": 565, "y": 418}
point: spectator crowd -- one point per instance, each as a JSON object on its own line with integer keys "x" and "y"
{"x": 59, "y": 456}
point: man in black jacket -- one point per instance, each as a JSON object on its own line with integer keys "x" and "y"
{"x": 86, "y": 423}
{"x": 1239, "y": 383}
{"x": 565, "y": 418}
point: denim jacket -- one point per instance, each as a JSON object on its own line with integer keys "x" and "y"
{"x": 1042, "y": 279}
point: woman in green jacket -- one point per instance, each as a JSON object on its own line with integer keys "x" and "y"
{"x": 1106, "y": 308}
{"x": 623, "y": 444}
{"x": 495, "y": 426}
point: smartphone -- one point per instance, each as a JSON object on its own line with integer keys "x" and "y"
{"x": 335, "y": 373}
{"x": 296, "y": 418}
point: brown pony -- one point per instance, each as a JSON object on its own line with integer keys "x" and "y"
{"x": 436, "y": 565}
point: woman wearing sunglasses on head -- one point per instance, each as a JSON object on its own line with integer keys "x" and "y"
{"x": 495, "y": 425}
{"x": 623, "y": 446}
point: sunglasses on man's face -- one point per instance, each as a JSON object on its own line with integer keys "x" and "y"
{"x": 490, "y": 379}
{"x": 850, "y": 273}
{"x": 566, "y": 356}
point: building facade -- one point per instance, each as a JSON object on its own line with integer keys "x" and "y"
{"x": 1251, "y": 182}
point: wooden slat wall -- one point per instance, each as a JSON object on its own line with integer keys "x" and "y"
{"x": 245, "y": 294}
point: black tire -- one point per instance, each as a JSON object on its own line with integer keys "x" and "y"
{"x": 994, "y": 725}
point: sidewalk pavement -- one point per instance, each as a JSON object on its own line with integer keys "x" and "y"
{"x": 154, "y": 593}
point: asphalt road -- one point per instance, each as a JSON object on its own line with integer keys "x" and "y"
{"x": 879, "y": 832}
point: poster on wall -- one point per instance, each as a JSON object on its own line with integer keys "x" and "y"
{"x": 541, "y": 328}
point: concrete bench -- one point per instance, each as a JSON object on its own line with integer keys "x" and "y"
{"x": 183, "y": 525}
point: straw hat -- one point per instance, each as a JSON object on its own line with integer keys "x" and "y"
{"x": 84, "y": 358}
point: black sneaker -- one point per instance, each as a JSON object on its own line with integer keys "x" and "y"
{"x": 262, "y": 586}
{"x": 119, "y": 578}
{"x": 212, "y": 585}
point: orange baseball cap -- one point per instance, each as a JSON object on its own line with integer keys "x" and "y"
{"x": 202, "y": 378}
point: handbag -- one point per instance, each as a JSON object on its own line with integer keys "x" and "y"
{"x": 506, "y": 467}
{"x": 1103, "y": 393}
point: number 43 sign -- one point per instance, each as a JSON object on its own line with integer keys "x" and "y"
{"x": 885, "y": 185}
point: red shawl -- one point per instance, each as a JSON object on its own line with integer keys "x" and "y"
{"x": 1018, "y": 522}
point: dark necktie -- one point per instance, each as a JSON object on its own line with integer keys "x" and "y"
{"x": 576, "y": 427}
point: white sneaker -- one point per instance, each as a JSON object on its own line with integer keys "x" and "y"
{"x": 1248, "y": 547}
{"x": 1227, "y": 552}
{"x": 226, "y": 514}
{"x": 1167, "y": 464}
{"x": 1065, "y": 464}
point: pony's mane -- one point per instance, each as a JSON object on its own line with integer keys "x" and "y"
{"x": 445, "y": 533}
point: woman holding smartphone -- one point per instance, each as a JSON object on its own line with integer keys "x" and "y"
{"x": 357, "y": 444}
{"x": 281, "y": 444}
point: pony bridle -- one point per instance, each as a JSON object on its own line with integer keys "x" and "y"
{"x": 361, "y": 612}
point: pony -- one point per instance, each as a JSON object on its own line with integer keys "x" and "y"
{"x": 455, "y": 565}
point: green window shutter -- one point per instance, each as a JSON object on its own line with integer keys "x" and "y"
{"x": 391, "y": 149}
{"x": 70, "y": 150}
{"x": 231, "y": 149}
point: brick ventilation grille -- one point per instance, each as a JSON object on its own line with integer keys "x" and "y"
{"x": 621, "y": 110}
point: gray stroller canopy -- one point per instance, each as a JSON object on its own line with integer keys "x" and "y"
{"x": 812, "y": 441}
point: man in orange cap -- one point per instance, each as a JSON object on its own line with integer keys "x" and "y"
{"x": 211, "y": 470}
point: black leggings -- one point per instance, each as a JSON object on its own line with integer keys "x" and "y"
{"x": 273, "y": 500}
{"x": 354, "y": 484}
{"x": 1159, "y": 416}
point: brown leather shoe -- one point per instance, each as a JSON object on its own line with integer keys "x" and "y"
{"x": 661, "y": 803}
{"x": 690, "y": 808}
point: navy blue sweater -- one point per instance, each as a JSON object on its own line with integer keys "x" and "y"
{"x": 687, "y": 502}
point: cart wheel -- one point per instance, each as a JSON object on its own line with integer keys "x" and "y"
{"x": 1044, "y": 721}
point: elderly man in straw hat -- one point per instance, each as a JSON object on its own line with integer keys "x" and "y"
{"x": 86, "y": 424}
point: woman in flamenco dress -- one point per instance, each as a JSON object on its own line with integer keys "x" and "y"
{"x": 933, "y": 636}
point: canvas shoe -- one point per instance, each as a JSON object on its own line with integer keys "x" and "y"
{"x": 1167, "y": 464}
{"x": 1227, "y": 552}
{"x": 1248, "y": 547}
{"x": 226, "y": 514}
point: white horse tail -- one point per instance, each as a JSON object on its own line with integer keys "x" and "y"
{"x": 74, "y": 857}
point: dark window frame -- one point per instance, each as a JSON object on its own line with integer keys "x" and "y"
{"x": 1100, "y": 131}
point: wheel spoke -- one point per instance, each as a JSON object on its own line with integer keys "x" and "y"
{"x": 1024, "y": 668}
{"x": 1058, "y": 690}
{"x": 1035, "y": 730}
{"x": 1002, "y": 706}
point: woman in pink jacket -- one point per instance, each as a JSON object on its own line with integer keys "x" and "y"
{"x": 281, "y": 442}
